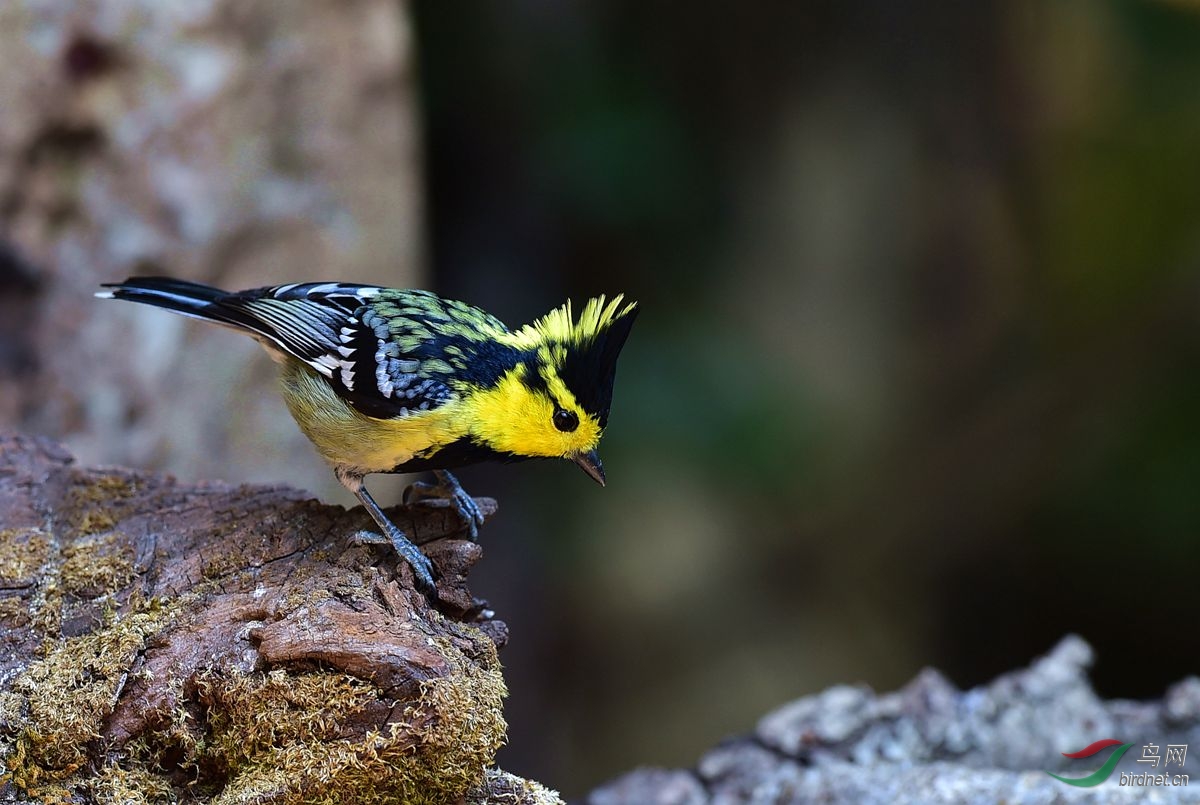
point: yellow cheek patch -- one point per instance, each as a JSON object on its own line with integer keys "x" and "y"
{"x": 513, "y": 419}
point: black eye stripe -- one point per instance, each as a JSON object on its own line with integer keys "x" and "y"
{"x": 566, "y": 421}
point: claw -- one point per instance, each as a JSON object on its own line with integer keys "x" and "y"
{"x": 368, "y": 538}
{"x": 423, "y": 493}
{"x": 421, "y": 566}
{"x": 448, "y": 492}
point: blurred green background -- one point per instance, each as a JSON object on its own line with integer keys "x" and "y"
{"x": 917, "y": 375}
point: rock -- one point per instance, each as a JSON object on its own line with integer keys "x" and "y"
{"x": 502, "y": 788}
{"x": 652, "y": 787}
{"x": 930, "y": 743}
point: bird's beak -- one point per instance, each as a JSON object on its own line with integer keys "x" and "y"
{"x": 589, "y": 462}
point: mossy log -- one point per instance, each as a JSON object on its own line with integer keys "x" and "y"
{"x": 209, "y": 643}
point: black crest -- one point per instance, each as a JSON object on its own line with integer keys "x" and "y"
{"x": 590, "y": 365}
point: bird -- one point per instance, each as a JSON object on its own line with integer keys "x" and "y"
{"x": 387, "y": 380}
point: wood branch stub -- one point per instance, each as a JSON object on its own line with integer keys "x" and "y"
{"x": 165, "y": 642}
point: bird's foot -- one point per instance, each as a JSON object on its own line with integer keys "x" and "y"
{"x": 448, "y": 492}
{"x": 421, "y": 566}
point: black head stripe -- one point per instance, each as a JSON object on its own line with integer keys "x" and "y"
{"x": 590, "y": 368}
{"x": 532, "y": 377}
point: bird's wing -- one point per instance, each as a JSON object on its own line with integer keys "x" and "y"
{"x": 359, "y": 338}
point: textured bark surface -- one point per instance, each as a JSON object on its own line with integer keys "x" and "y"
{"x": 165, "y": 642}
{"x": 931, "y": 744}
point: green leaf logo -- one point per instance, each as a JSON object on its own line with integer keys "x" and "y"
{"x": 1101, "y": 774}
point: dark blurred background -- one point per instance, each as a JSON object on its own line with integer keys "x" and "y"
{"x": 917, "y": 379}
{"x": 917, "y": 375}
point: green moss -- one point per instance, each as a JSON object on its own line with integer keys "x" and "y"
{"x": 275, "y": 737}
{"x": 176, "y": 743}
{"x": 59, "y": 704}
{"x": 436, "y": 753}
{"x": 129, "y": 784}
{"x": 249, "y": 714}
{"x": 94, "y": 522}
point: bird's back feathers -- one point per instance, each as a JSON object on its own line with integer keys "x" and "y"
{"x": 388, "y": 352}
{"x": 393, "y": 354}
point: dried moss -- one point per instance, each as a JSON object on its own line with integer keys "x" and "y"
{"x": 97, "y": 566}
{"x": 22, "y": 552}
{"x": 129, "y": 783}
{"x": 299, "y": 597}
{"x": 100, "y": 488}
{"x": 45, "y": 609}
{"x": 24, "y": 555}
{"x": 14, "y": 612}
{"x": 275, "y": 736}
{"x": 228, "y": 563}
{"x": 60, "y": 702}
{"x": 435, "y": 754}
{"x": 167, "y": 752}
{"x": 90, "y": 504}
{"x": 94, "y": 522}
{"x": 252, "y": 713}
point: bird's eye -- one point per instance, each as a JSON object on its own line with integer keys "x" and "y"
{"x": 566, "y": 421}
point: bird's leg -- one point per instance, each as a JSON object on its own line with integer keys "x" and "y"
{"x": 448, "y": 492}
{"x": 422, "y": 567}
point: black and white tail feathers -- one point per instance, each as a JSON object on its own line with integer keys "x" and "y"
{"x": 302, "y": 320}
{"x": 187, "y": 298}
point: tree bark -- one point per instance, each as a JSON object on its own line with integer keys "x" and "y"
{"x": 228, "y": 644}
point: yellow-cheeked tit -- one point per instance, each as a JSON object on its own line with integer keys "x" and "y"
{"x": 391, "y": 380}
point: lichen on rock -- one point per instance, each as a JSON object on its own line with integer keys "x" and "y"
{"x": 930, "y": 744}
